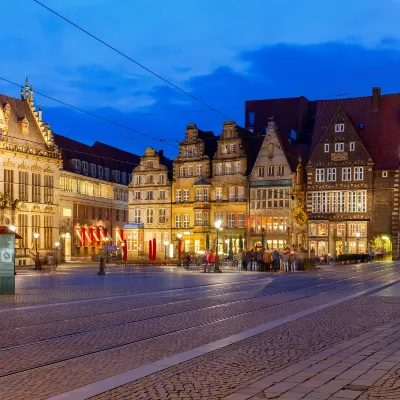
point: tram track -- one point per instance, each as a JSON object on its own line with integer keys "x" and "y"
{"x": 165, "y": 334}
{"x": 202, "y": 305}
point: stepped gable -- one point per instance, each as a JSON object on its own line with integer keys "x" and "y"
{"x": 20, "y": 109}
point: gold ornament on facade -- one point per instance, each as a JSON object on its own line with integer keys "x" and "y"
{"x": 9, "y": 164}
{"x": 36, "y": 168}
{"x": 299, "y": 216}
{"x": 48, "y": 209}
{"x": 35, "y": 208}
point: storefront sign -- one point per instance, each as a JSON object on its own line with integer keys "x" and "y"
{"x": 7, "y": 259}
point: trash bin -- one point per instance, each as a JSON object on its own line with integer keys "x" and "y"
{"x": 102, "y": 266}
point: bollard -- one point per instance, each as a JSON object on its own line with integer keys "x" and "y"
{"x": 102, "y": 264}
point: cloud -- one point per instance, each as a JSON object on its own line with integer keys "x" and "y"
{"x": 315, "y": 71}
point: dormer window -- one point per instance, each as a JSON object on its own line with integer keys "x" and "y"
{"x": 270, "y": 150}
{"x": 224, "y": 149}
{"x": 232, "y": 148}
{"x": 100, "y": 171}
{"x": 187, "y": 152}
{"x": 150, "y": 164}
{"x": 339, "y": 127}
{"x": 93, "y": 169}
{"x": 76, "y": 164}
{"x": 85, "y": 167}
{"x": 116, "y": 176}
{"x": 23, "y": 125}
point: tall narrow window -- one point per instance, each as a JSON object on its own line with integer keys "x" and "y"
{"x": 9, "y": 183}
{"x": 358, "y": 173}
{"x": 23, "y": 186}
{"x": 186, "y": 220}
{"x": 218, "y": 193}
{"x": 260, "y": 171}
{"x": 48, "y": 189}
{"x": 232, "y": 191}
{"x": 185, "y": 195}
{"x": 199, "y": 170}
{"x": 231, "y": 220}
{"x": 162, "y": 212}
{"x": 178, "y": 196}
{"x": 346, "y": 174}
{"x": 320, "y": 175}
{"x": 331, "y": 177}
{"x": 199, "y": 218}
{"x": 218, "y": 169}
{"x": 36, "y": 182}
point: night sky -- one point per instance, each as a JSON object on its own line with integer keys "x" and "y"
{"x": 222, "y": 51}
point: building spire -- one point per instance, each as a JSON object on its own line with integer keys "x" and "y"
{"x": 300, "y": 172}
{"x": 26, "y": 88}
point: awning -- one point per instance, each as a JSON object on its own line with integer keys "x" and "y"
{"x": 5, "y": 230}
{"x": 87, "y": 236}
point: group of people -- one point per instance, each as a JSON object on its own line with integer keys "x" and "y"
{"x": 251, "y": 260}
{"x": 269, "y": 260}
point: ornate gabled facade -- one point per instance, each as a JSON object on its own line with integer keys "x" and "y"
{"x": 29, "y": 165}
{"x": 230, "y": 165}
{"x": 271, "y": 187}
{"x": 191, "y": 189}
{"x": 149, "y": 205}
{"x": 340, "y": 183}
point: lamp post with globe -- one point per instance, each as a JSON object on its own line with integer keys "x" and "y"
{"x": 217, "y": 224}
{"x": 36, "y": 236}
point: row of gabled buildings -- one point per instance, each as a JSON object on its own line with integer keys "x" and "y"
{"x": 321, "y": 175}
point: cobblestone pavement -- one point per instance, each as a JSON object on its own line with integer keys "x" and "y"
{"x": 52, "y": 348}
{"x": 228, "y": 370}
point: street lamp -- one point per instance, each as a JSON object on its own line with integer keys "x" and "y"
{"x": 179, "y": 236}
{"x": 217, "y": 225}
{"x": 57, "y": 247}
{"x": 36, "y": 236}
{"x": 166, "y": 243}
{"x": 358, "y": 240}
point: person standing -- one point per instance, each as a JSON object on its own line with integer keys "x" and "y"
{"x": 275, "y": 260}
{"x": 285, "y": 262}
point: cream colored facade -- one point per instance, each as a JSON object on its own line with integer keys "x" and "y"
{"x": 271, "y": 191}
{"x": 229, "y": 191}
{"x": 29, "y": 171}
{"x": 149, "y": 207}
{"x": 191, "y": 190}
{"x": 92, "y": 214}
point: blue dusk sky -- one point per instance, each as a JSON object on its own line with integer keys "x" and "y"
{"x": 222, "y": 51}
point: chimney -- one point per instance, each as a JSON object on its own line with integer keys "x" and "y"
{"x": 376, "y": 98}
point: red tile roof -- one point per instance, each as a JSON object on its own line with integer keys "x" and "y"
{"x": 381, "y": 132}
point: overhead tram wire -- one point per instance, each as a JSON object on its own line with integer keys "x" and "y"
{"x": 84, "y": 152}
{"x": 145, "y": 68}
{"x": 92, "y": 114}
{"x": 132, "y": 60}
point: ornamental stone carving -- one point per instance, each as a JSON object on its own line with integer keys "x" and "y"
{"x": 339, "y": 156}
{"x": 8, "y": 164}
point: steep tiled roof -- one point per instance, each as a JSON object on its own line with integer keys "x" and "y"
{"x": 289, "y": 113}
{"x": 20, "y": 109}
{"x": 381, "y": 129}
{"x": 99, "y": 154}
